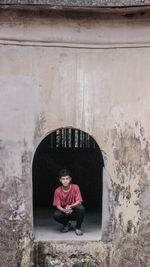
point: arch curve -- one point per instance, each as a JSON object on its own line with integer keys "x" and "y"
{"x": 45, "y": 135}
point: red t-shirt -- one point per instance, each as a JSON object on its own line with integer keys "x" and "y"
{"x": 67, "y": 198}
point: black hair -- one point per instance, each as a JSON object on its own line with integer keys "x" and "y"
{"x": 64, "y": 172}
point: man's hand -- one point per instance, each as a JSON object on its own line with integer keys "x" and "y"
{"x": 68, "y": 209}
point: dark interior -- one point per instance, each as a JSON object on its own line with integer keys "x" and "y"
{"x": 74, "y": 150}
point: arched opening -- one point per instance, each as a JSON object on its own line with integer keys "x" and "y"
{"x": 78, "y": 151}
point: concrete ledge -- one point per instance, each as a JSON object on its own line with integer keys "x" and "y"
{"x": 79, "y": 3}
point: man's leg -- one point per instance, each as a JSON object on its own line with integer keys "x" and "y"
{"x": 79, "y": 210}
{"x": 60, "y": 217}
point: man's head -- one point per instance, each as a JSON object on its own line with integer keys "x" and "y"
{"x": 65, "y": 177}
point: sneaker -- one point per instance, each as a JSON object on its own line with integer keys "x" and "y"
{"x": 78, "y": 232}
{"x": 65, "y": 229}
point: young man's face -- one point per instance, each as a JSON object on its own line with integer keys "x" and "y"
{"x": 65, "y": 180}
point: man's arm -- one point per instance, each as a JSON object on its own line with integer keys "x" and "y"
{"x": 74, "y": 205}
{"x": 57, "y": 203}
{"x": 66, "y": 210}
{"x": 78, "y": 199}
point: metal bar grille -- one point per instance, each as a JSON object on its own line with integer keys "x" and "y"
{"x": 71, "y": 138}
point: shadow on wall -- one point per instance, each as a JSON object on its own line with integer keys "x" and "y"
{"x": 77, "y": 151}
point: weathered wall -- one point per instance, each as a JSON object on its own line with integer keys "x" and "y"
{"x": 84, "y": 70}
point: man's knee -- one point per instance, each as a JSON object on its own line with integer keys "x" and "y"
{"x": 57, "y": 215}
{"x": 80, "y": 208}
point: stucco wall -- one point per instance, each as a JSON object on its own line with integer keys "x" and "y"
{"x": 87, "y": 71}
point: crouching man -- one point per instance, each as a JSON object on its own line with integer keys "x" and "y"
{"x": 67, "y": 199}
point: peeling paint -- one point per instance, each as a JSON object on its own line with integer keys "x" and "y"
{"x": 58, "y": 73}
{"x": 131, "y": 153}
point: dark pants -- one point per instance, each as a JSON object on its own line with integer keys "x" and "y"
{"x": 77, "y": 214}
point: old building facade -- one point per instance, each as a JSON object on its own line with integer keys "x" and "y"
{"x": 83, "y": 65}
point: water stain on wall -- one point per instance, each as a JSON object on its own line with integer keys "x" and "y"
{"x": 131, "y": 153}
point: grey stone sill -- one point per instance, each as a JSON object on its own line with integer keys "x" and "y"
{"x": 79, "y": 3}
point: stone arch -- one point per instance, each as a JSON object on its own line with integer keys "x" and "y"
{"x": 106, "y": 214}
